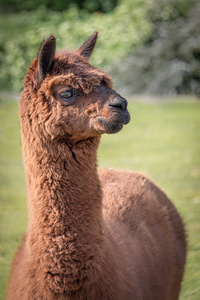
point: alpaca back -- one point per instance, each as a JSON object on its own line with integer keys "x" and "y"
{"x": 145, "y": 223}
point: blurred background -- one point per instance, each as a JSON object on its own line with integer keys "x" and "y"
{"x": 151, "y": 48}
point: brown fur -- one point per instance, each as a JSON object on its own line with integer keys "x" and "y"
{"x": 112, "y": 236}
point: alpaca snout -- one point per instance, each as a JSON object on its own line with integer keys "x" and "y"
{"x": 119, "y": 103}
{"x": 118, "y": 106}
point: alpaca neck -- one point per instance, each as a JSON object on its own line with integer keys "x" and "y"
{"x": 65, "y": 208}
{"x": 62, "y": 180}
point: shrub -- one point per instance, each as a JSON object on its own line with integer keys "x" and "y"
{"x": 169, "y": 61}
{"x": 89, "y": 5}
{"x": 119, "y": 31}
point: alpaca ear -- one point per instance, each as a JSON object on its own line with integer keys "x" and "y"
{"x": 86, "y": 49}
{"x": 45, "y": 58}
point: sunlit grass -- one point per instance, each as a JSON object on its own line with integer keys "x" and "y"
{"x": 12, "y": 189}
{"x": 162, "y": 140}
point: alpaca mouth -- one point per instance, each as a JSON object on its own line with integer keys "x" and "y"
{"x": 114, "y": 123}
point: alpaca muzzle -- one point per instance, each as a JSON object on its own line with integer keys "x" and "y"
{"x": 118, "y": 110}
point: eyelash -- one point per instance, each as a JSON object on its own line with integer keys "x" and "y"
{"x": 68, "y": 94}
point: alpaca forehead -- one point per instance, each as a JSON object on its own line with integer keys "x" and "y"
{"x": 70, "y": 61}
{"x": 70, "y": 57}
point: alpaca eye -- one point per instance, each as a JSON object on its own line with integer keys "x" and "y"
{"x": 67, "y": 95}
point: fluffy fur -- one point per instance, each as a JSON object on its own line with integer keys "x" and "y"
{"x": 107, "y": 236}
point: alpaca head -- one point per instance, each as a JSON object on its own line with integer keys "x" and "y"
{"x": 72, "y": 99}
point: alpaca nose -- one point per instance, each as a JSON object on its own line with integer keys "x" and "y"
{"x": 119, "y": 102}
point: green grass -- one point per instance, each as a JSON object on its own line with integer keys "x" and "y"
{"x": 162, "y": 140}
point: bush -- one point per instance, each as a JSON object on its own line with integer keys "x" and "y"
{"x": 169, "y": 61}
{"x": 89, "y": 5}
{"x": 119, "y": 31}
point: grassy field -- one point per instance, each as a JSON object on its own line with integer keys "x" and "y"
{"x": 162, "y": 140}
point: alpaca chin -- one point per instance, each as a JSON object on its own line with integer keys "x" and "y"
{"x": 114, "y": 124}
{"x": 103, "y": 126}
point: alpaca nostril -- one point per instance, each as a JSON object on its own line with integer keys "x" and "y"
{"x": 119, "y": 103}
{"x": 116, "y": 105}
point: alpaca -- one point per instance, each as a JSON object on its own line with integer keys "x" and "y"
{"x": 112, "y": 235}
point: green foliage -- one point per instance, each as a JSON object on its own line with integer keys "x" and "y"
{"x": 169, "y": 61}
{"x": 162, "y": 140}
{"x": 152, "y": 46}
{"x": 168, "y": 10}
{"x": 89, "y": 5}
{"x": 119, "y": 31}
